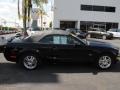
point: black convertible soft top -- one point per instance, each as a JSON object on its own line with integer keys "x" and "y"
{"x": 41, "y": 34}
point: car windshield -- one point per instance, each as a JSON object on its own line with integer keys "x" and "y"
{"x": 118, "y": 30}
{"x": 28, "y": 39}
{"x": 79, "y": 31}
{"x": 36, "y": 29}
{"x": 83, "y": 40}
{"x": 98, "y": 29}
{"x": 113, "y": 30}
{"x": 102, "y": 30}
{"x": 16, "y": 39}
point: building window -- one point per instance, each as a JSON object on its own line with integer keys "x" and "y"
{"x": 67, "y": 24}
{"x": 87, "y": 25}
{"x": 110, "y": 9}
{"x": 98, "y": 8}
{"x": 86, "y": 7}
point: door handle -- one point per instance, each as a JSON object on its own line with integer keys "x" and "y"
{"x": 55, "y": 48}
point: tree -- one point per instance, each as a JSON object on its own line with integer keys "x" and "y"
{"x": 42, "y": 12}
{"x": 50, "y": 25}
{"x": 25, "y": 15}
{"x": 26, "y": 10}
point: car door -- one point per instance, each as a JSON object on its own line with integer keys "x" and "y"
{"x": 46, "y": 47}
{"x": 95, "y": 33}
{"x": 80, "y": 50}
{"x": 118, "y": 33}
{"x": 67, "y": 48}
{"x": 114, "y": 32}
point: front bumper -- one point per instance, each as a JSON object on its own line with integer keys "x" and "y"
{"x": 110, "y": 36}
{"x": 118, "y": 57}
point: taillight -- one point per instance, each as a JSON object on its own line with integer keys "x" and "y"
{"x": 12, "y": 54}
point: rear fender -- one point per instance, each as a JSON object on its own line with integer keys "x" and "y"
{"x": 2, "y": 48}
{"x": 23, "y": 52}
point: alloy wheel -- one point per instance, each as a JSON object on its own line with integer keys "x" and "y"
{"x": 30, "y": 62}
{"x": 105, "y": 62}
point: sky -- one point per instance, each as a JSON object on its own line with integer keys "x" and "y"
{"x": 8, "y": 11}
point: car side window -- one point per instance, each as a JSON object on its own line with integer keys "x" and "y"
{"x": 113, "y": 30}
{"x": 47, "y": 40}
{"x": 118, "y": 30}
{"x": 72, "y": 40}
{"x": 65, "y": 40}
{"x": 59, "y": 39}
{"x": 102, "y": 30}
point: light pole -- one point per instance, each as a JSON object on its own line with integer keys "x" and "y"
{"x": 3, "y": 21}
{"x": 52, "y": 11}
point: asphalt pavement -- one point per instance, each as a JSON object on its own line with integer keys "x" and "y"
{"x": 7, "y": 35}
{"x": 59, "y": 76}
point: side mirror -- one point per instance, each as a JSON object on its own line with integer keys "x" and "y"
{"x": 18, "y": 35}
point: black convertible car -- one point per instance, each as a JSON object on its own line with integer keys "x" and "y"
{"x": 59, "y": 46}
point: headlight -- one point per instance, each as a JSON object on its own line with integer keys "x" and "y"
{"x": 119, "y": 51}
{"x": 108, "y": 33}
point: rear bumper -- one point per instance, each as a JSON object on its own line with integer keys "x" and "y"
{"x": 2, "y": 48}
{"x": 118, "y": 57}
{"x": 10, "y": 56}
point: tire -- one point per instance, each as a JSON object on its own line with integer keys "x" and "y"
{"x": 29, "y": 61}
{"x": 105, "y": 62}
{"x": 104, "y": 37}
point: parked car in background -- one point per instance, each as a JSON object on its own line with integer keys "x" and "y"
{"x": 60, "y": 46}
{"x": 3, "y": 42}
{"x": 1, "y": 32}
{"x": 99, "y": 33}
{"x": 77, "y": 32}
{"x": 82, "y": 34}
{"x": 33, "y": 30}
{"x": 115, "y": 32}
{"x": 17, "y": 35}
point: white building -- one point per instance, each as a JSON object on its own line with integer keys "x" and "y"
{"x": 36, "y": 19}
{"x": 85, "y": 14}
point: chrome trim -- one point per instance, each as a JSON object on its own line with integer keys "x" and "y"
{"x": 118, "y": 57}
{"x": 119, "y": 53}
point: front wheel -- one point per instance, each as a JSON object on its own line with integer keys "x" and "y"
{"x": 104, "y": 62}
{"x": 29, "y": 61}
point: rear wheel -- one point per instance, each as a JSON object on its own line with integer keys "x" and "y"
{"x": 29, "y": 61}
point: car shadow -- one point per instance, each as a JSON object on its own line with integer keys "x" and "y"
{"x": 11, "y": 73}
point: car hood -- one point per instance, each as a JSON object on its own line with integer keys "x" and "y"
{"x": 97, "y": 43}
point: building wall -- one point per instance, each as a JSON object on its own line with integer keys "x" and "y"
{"x": 69, "y": 10}
{"x": 36, "y": 19}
